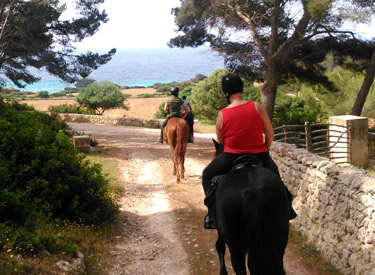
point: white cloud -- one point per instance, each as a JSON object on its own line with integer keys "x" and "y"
{"x": 134, "y": 24}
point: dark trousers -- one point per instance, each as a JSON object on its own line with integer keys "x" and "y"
{"x": 190, "y": 120}
{"x": 222, "y": 165}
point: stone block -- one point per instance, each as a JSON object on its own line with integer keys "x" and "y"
{"x": 82, "y": 143}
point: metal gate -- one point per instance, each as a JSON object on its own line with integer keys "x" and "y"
{"x": 324, "y": 139}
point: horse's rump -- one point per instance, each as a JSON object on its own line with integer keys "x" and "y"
{"x": 252, "y": 215}
{"x": 176, "y": 134}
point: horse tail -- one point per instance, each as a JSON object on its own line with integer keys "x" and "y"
{"x": 263, "y": 257}
{"x": 180, "y": 143}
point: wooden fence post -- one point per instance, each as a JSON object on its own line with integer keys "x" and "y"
{"x": 308, "y": 136}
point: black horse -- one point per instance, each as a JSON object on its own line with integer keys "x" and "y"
{"x": 252, "y": 217}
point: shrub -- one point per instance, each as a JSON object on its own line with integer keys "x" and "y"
{"x": 43, "y": 173}
{"x": 59, "y": 94}
{"x": 164, "y": 89}
{"x": 101, "y": 96}
{"x": 161, "y": 113}
{"x": 207, "y": 97}
{"x": 43, "y": 94}
{"x": 19, "y": 106}
{"x": 70, "y": 109}
{"x": 198, "y": 78}
{"x": 348, "y": 84}
{"x": 296, "y": 110}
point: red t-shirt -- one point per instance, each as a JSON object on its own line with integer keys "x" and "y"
{"x": 243, "y": 129}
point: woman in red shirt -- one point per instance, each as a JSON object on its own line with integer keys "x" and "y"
{"x": 240, "y": 128}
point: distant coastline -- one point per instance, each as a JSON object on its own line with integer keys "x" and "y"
{"x": 143, "y": 68}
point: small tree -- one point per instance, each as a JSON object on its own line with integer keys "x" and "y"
{"x": 43, "y": 94}
{"x": 102, "y": 96}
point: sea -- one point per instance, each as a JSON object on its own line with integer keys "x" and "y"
{"x": 142, "y": 68}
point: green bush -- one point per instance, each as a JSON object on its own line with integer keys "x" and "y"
{"x": 101, "y": 96}
{"x": 207, "y": 97}
{"x": 43, "y": 94}
{"x": 43, "y": 173}
{"x": 19, "y": 106}
{"x": 164, "y": 89}
{"x": 348, "y": 85}
{"x": 145, "y": 95}
{"x": 59, "y": 94}
{"x": 296, "y": 110}
{"x": 70, "y": 109}
{"x": 161, "y": 113}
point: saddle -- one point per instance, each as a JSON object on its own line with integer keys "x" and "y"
{"x": 245, "y": 161}
{"x": 238, "y": 163}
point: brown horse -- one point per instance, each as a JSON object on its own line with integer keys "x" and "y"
{"x": 176, "y": 134}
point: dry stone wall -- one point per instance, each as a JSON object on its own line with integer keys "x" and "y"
{"x": 335, "y": 207}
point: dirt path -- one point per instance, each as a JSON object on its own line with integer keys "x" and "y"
{"x": 161, "y": 222}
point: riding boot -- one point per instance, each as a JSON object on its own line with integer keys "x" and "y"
{"x": 161, "y": 136}
{"x": 292, "y": 213}
{"x": 209, "y": 201}
{"x": 209, "y": 221}
{"x": 191, "y": 138}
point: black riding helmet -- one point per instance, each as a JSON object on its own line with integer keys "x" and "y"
{"x": 231, "y": 84}
{"x": 174, "y": 91}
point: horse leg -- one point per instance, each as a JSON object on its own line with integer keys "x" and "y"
{"x": 182, "y": 166}
{"x": 173, "y": 158}
{"x": 176, "y": 171}
{"x": 237, "y": 248}
{"x": 220, "y": 248}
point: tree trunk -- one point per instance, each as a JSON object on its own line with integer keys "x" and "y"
{"x": 366, "y": 84}
{"x": 269, "y": 90}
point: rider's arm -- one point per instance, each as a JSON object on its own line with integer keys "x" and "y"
{"x": 219, "y": 124}
{"x": 184, "y": 112}
{"x": 166, "y": 106}
{"x": 268, "y": 128}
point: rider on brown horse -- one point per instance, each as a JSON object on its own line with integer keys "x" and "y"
{"x": 173, "y": 108}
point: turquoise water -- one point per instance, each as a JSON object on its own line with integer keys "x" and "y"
{"x": 143, "y": 67}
